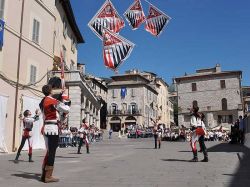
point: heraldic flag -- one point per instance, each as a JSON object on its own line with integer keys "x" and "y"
{"x": 106, "y": 17}
{"x": 116, "y": 49}
{"x": 156, "y": 21}
{"x": 135, "y": 15}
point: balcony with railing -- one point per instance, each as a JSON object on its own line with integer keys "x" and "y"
{"x": 135, "y": 112}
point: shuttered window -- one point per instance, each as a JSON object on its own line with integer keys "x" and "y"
{"x": 194, "y": 87}
{"x": 222, "y": 84}
{"x": 36, "y": 31}
{"x": 2, "y": 8}
{"x": 33, "y": 71}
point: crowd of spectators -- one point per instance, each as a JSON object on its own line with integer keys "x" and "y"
{"x": 70, "y": 136}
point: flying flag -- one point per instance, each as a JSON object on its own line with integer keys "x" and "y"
{"x": 62, "y": 72}
{"x": 123, "y": 92}
{"x": 135, "y": 15}
{"x": 106, "y": 17}
{"x": 156, "y": 21}
{"x": 116, "y": 49}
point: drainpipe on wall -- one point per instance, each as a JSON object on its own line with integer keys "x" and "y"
{"x": 17, "y": 83}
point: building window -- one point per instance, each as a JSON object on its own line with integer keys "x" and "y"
{"x": 64, "y": 53}
{"x": 73, "y": 44}
{"x": 2, "y": 8}
{"x": 32, "y": 74}
{"x": 133, "y": 108}
{"x": 222, "y": 84}
{"x": 195, "y": 103}
{"x": 132, "y": 92}
{"x": 224, "y": 104}
{"x": 35, "y": 32}
{"x": 225, "y": 119}
{"x": 64, "y": 28}
{"x": 194, "y": 87}
{"x": 114, "y": 93}
{"x": 114, "y": 108}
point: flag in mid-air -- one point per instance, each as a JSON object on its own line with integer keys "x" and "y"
{"x": 116, "y": 49}
{"x": 106, "y": 17}
{"x": 135, "y": 15}
{"x": 156, "y": 21}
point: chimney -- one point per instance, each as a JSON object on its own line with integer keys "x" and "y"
{"x": 217, "y": 68}
{"x": 81, "y": 68}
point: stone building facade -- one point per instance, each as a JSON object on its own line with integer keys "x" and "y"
{"x": 246, "y": 99}
{"x": 217, "y": 93}
{"x": 131, "y": 101}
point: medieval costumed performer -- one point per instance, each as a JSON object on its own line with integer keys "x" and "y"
{"x": 51, "y": 109}
{"x": 197, "y": 133}
{"x": 28, "y": 122}
{"x": 84, "y": 136}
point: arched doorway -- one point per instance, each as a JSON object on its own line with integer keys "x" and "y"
{"x": 130, "y": 120}
{"x": 115, "y": 124}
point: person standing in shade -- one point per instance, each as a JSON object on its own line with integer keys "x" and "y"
{"x": 155, "y": 132}
{"x": 110, "y": 133}
{"x": 51, "y": 109}
{"x": 28, "y": 122}
{"x": 201, "y": 131}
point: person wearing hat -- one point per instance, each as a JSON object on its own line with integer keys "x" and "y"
{"x": 50, "y": 107}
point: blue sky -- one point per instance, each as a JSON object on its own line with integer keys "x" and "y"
{"x": 199, "y": 35}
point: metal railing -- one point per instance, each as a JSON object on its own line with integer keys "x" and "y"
{"x": 124, "y": 112}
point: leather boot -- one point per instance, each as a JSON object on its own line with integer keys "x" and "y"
{"x": 17, "y": 156}
{"x": 30, "y": 158}
{"x": 48, "y": 174}
{"x": 87, "y": 149}
{"x": 43, "y": 174}
{"x": 159, "y": 145}
{"x": 78, "y": 152}
{"x": 195, "y": 159}
{"x": 205, "y": 157}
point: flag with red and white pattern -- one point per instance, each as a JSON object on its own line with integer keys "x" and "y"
{"x": 106, "y": 17}
{"x": 135, "y": 15}
{"x": 156, "y": 21}
{"x": 116, "y": 49}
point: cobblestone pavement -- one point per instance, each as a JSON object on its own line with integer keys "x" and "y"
{"x": 133, "y": 162}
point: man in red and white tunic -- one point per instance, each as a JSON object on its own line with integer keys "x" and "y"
{"x": 27, "y": 133}
{"x": 51, "y": 107}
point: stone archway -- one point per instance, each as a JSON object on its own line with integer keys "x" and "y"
{"x": 115, "y": 124}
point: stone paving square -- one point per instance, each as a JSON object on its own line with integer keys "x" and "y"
{"x": 134, "y": 163}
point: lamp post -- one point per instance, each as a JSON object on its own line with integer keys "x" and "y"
{"x": 18, "y": 73}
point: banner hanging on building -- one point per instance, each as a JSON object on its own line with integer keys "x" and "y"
{"x": 135, "y": 15}
{"x": 106, "y": 17}
{"x": 116, "y": 49}
{"x": 1, "y": 32}
{"x": 123, "y": 92}
{"x": 156, "y": 21}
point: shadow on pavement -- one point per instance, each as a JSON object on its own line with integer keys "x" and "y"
{"x": 175, "y": 160}
{"x": 144, "y": 148}
{"x": 18, "y": 161}
{"x": 26, "y": 175}
{"x": 241, "y": 177}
